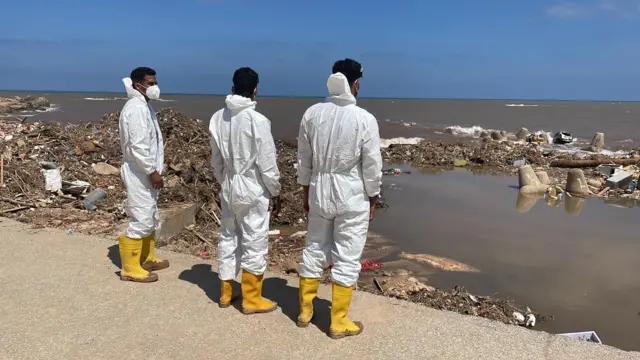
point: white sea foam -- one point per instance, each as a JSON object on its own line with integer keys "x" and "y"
{"x": 384, "y": 143}
{"x": 581, "y": 153}
{"x": 105, "y": 99}
{"x": 474, "y": 131}
{"x": 53, "y": 107}
{"x": 119, "y": 98}
{"x": 521, "y": 105}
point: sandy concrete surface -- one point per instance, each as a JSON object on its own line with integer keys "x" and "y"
{"x": 60, "y": 298}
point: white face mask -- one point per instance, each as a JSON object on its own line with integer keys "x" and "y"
{"x": 153, "y": 92}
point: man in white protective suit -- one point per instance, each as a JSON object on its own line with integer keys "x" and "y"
{"x": 340, "y": 169}
{"x": 141, "y": 172}
{"x": 244, "y": 164}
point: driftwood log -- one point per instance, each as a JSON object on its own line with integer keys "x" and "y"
{"x": 577, "y": 163}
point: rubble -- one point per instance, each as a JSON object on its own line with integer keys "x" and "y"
{"x": 402, "y": 285}
{"x": 16, "y": 104}
{"x": 88, "y": 157}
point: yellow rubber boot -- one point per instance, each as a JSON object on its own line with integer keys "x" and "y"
{"x": 308, "y": 292}
{"x": 227, "y": 296}
{"x": 148, "y": 258}
{"x": 341, "y": 326}
{"x": 130, "y": 251}
{"x": 252, "y": 300}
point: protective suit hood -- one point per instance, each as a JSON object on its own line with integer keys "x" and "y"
{"x": 237, "y": 103}
{"x": 131, "y": 92}
{"x": 339, "y": 89}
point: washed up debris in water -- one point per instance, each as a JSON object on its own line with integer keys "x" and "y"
{"x": 562, "y": 137}
{"x": 391, "y": 172}
{"x": 438, "y": 262}
{"x": 589, "y": 336}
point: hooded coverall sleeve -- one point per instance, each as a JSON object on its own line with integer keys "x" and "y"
{"x": 139, "y": 135}
{"x": 371, "y": 158}
{"x": 304, "y": 155}
{"x": 266, "y": 160}
{"x": 217, "y": 161}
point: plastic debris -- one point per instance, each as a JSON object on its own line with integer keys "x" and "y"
{"x": 530, "y": 321}
{"x": 391, "y": 172}
{"x": 95, "y": 196}
{"x": 274, "y": 233}
{"x": 77, "y": 187}
{"x": 589, "y": 336}
{"x": 52, "y": 177}
{"x": 519, "y": 317}
{"x": 370, "y": 265}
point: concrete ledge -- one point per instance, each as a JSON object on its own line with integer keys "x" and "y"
{"x": 174, "y": 219}
{"x": 70, "y": 304}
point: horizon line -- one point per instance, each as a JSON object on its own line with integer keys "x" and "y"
{"x": 321, "y": 96}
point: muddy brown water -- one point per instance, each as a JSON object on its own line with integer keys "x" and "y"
{"x": 583, "y": 269}
{"x": 430, "y": 116}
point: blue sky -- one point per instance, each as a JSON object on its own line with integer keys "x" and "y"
{"x": 540, "y": 49}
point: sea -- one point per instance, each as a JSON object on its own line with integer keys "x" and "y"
{"x": 577, "y": 261}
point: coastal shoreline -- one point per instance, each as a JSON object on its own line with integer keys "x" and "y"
{"x": 76, "y": 148}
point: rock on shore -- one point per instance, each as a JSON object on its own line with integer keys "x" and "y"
{"x": 15, "y": 104}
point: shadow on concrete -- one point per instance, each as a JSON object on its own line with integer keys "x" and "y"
{"x": 114, "y": 255}
{"x": 274, "y": 289}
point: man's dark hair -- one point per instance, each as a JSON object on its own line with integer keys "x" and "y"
{"x": 245, "y": 81}
{"x": 138, "y": 74}
{"x": 349, "y": 68}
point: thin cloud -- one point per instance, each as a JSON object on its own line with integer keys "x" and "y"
{"x": 619, "y": 8}
{"x": 569, "y": 11}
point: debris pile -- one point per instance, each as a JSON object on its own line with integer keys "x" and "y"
{"x": 402, "y": 285}
{"x": 500, "y": 155}
{"x": 17, "y": 104}
{"x": 88, "y": 157}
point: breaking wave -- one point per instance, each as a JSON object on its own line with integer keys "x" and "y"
{"x": 473, "y": 131}
{"x": 52, "y": 107}
{"x": 521, "y": 105}
{"x": 104, "y": 99}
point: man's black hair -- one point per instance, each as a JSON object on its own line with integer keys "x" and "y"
{"x": 245, "y": 81}
{"x": 138, "y": 74}
{"x": 349, "y": 68}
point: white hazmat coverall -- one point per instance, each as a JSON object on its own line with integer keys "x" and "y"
{"x": 244, "y": 163}
{"x": 142, "y": 154}
{"x": 339, "y": 159}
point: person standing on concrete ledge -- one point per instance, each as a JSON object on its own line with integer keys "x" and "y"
{"x": 340, "y": 169}
{"x": 243, "y": 157}
{"x": 141, "y": 172}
